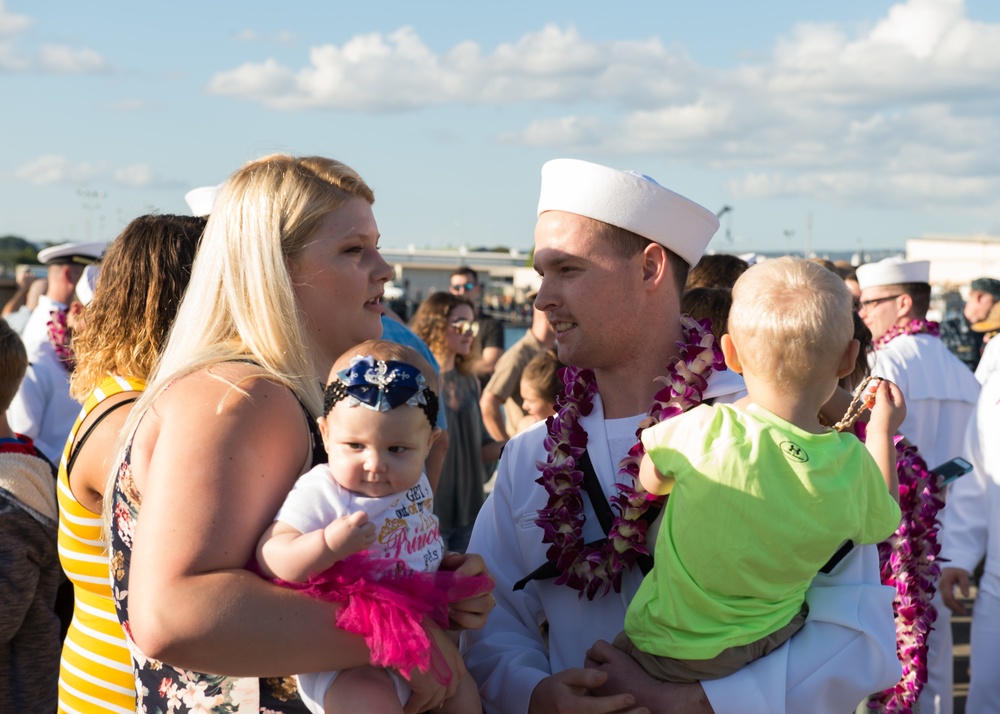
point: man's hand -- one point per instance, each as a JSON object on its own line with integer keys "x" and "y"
{"x": 569, "y": 692}
{"x": 24, "y": 279}
{"x": 624, "y": 674}
{"x": 428, "y": 694}
{"x": 468, "y": 614}
{"x": 950, "y": 577}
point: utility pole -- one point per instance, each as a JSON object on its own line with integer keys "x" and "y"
{"x": 809, "y": 234}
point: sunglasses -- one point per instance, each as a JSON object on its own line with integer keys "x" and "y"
{"x": 465, "y": 327}
{"x": 455, "y": 287}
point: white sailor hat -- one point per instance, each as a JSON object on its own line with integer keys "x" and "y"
{"x": 200, "y": 199}
{"x": 893, "y": 271}
{"x": 629, "y": 200}
{"x": 72, "y": 254}
{"x": 87, "y": 284}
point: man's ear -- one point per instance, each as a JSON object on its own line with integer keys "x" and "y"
{"x": 655, "y": 265}
{"x": 904, "y": 305}
{"x": 730, "y": 353}
{"x": 74, "y": 313}
{"x": 849, "y": 360}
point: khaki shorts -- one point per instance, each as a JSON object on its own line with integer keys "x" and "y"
{"x": 722, "y": 665}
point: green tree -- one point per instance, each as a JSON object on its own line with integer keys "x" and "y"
{"x": 14, "y": 250}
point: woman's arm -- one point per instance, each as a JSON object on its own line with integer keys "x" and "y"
{"x": 213, "y": 465}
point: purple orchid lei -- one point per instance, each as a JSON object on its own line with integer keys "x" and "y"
{"x": 913, "y": 327}
{"x": 909, "y": 563}
{"x": 60, "y": 335}
{"x": 909, "y": 559}
{"x": 596, "y": 569}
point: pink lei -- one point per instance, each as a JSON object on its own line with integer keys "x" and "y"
{"x": 60, "y": 336}
{"x": 909, "y": 559}
{"x": 913, "y": 327}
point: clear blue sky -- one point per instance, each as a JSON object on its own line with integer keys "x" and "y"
{"x": 856, "y": 123}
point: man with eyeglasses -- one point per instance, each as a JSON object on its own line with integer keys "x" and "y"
{"x": 465, "y": 281}
{"x": 940, "y": 395}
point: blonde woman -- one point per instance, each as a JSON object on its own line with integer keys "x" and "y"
{"x": 447, "y": 323}
{"x": 288, "y": 277}
{"x": 143, "y": 276}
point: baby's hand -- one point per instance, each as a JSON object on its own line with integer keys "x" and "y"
{"x": 349, "y": 535}
{"x": 887, "y": 406}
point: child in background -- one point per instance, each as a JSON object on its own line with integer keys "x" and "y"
{"x": 540, "y": 385}
{"x": 711, "y": 303}
{"x": 761, "y": 497}
{"x": 30, "y": 574}
{"x": 361, "y": 530}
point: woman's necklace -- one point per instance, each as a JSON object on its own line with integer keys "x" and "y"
{"x": 598, "y": 567}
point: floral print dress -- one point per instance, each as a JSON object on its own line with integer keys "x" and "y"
{"x": 160, "y": 688}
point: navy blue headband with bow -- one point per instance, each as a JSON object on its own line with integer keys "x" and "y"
{"x": 381, "y": 385}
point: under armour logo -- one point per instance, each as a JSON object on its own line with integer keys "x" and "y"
{"x": 793, "y": 451}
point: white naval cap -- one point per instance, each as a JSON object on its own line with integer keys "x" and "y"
{"x": 72, "y": 253}
{"x": 87, "y": 284}
{"x": 629, "y": 200}
{"x": 200, "y": 199}
{"x": 893, "y": 271}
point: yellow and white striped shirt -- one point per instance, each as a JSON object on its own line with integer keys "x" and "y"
{"x": 95, "y": 673}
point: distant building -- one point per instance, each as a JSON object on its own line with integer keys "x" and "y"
{"x": 420, "y": 272}
{"x": 957, "y": 260}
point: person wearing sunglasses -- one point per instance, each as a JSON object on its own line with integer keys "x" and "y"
{"x": 447, "y": 323}
{"x": 464, "y": 281}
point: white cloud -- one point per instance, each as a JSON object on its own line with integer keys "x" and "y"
{"x": 134, "y": 176}
{"x": 10, "y": 59}
{"x": 873, "y": 114}
{"x": 132, "y": 105}
{"x": 860, "y": 188}
{"x": 394, "y": 72}
{"x": 53, "y": 58}
{"x": 281, "y": 37}
{"x": 12, "y": 23}
{"x": 55, "y": 169}
{"x": 68, "y": 60}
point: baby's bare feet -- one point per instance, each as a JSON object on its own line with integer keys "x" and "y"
{"x": 349, "y": 535}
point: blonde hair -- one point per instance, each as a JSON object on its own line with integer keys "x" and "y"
{"x": 240, "y": 303}
{"x": 790, "y": 320}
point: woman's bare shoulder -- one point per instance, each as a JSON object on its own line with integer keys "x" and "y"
{"x": 226, "y": 388}
{"x": 223, "y": 403}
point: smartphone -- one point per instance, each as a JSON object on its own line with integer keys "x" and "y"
{"x": 951, "y": 470}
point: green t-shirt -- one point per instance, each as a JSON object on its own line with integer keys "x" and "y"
{"x": 757, "y": 508}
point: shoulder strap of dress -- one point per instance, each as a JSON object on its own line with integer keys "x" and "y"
{"x": 318, "y": 451}
{"x": 86, "y": 435}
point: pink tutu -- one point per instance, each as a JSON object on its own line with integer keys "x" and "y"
{"x": 386, "y": 602}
